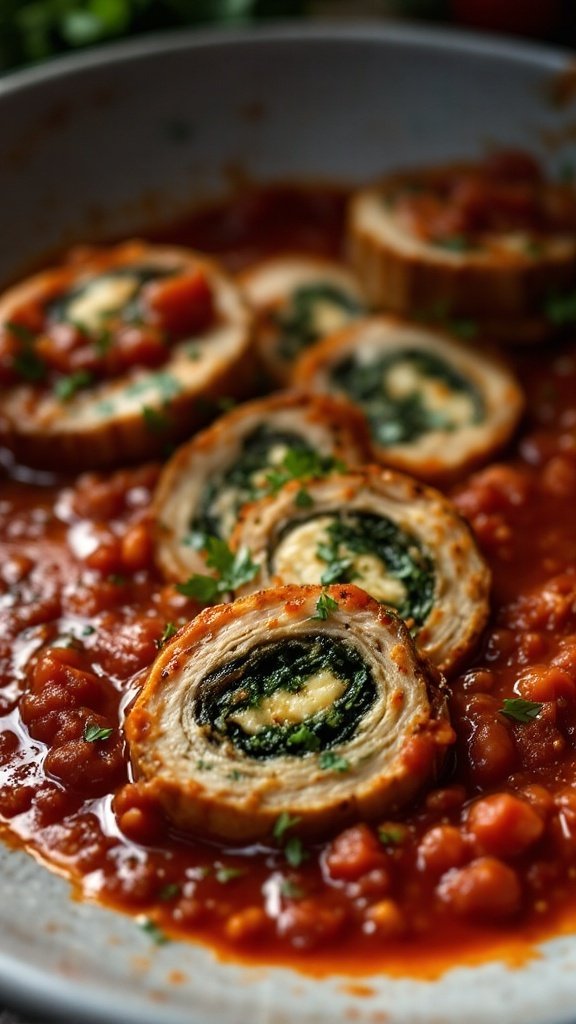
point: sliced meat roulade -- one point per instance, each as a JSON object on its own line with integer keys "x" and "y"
{"x": 242, "y": 456}
{"x": 298, "y": 299}
{"x": 435, "y": 406}
{"x": 294, "y": 701}
{"x": 402, "y": 542}
{"x": 117, "y": 353}
{"x": 493, "y": 242}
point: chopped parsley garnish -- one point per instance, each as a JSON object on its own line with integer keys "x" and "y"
{"x": 232, "y": 569}
{"x": 290, "y": 890}
{"x": 67, "y": 387}
{"x": 391, "y": 835}
{"x": 332, "y": 762}
{"x": 454, "y": 243}
{"x": 294, "y": 852}
{"x": 26, "y": 362}
{"x": 304, "y": 739}
{"x": 325, "y": 605}
{"x": 156, "y": 420}
{"x": 302, "y": 464}
{"x": 94, "y": 733}
{"x": 158, "y": 937}
{"x": 561, "y": 309}
{"x": 203, "y": 766}
{"x": 284, "y": 822}
{"x": 235, "y": 775}
{"x": 521, "y": 710}
{"x": 170, "y": 630}
{"x": 225, "y": 874}
{"x": 303, "y": 499}
{"x": 169, "y": 892}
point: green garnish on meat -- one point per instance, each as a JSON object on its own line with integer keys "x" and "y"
{"x": 300, "y": 323}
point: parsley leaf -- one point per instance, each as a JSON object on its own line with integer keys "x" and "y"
{"x": 294, "y": 852}
{"x": 159, "y": 938}
{"x": 94, "y": 732}
{"x": 521, "y": 710}
{"x": 170, "y": 630}
{"x": 66, "y": 387}
{"x": 290, "y": 890}
{"x": 330, "y": 761}
{"x": 284, "y": 822}
{"x": 169, "y": 892}
{"x": 561, "y": 309}
{"x": 325, "y": 605}
{"x": 26, "y": 362}
{"x": 155, "y": 420}
{"x": 232, "y": 569}
{"x": 391, "y": 835}
{"x": 303, "y": 499}
{"x": 302, "y": 464}
{"x": 225, "y": 874}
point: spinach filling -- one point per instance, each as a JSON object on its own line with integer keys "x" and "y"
{"x": 287, "y": 666}
{"x": 130, "y": 312}
{"x": 398, "y": 419}
{"x": 400, "y": 554}
{"x": 245, "y": 480}
{"x": 298, "y": 327}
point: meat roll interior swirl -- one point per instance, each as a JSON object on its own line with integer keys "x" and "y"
{"x": 298, "y": 299}
{"x": 110, "y": 356}
{"x": 435, "y": 407}
{"x": 492, "y": 241}
{"x": 242, "y": 456}
{"x": 295, "y": 700}
{"x": 402, "y": 542}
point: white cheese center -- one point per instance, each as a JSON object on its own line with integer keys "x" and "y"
{"x": 328, "y": 317}
{"x": 296, "y": 561}
{"x": 284, "y": 708}
{"x": 101, "y": 297}
{"x": 404, "y": 379}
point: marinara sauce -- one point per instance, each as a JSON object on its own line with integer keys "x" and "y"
{"x": 487, "y": 855}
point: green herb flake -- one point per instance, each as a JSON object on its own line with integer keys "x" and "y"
{"x": 294, "y": 852}
{"x": 67, "y": 387}
{"x": 302, "y": 464}
{"x": 88, "y": 630}
{"x": 193, "y": 352}
{"x": 225, "y": 874}
{"x": 284, "y": 822}
{"x": 303, "y": 499}
{"x": 391, "y": 835}
{"x": 203, "y": 766}
{"x": 170, "y": 630}
{"x": 454, "y": 243}
{"x": 304, "y": 739}
{"x": 520, "y": 710}
{"x": 235, "y": 775}
{"x": 158, "y": 937}
{"x": 332, "y": 762}
{"x": 117, "y": 579}
{"x": 156, "y": 421}
{"x": 232, "y": 570}
{"x": 289, "y": 890}
{"x": 325, "y": 605}
{"x": 561, "y": 309}
{"x": 169, "y": 892}
{"x": 93, "y": 733}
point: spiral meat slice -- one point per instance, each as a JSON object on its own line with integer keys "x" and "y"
{"x": 298, "y": 299}
{"x": 205, "y": 484}
{"x": 402, "y": 542}
{"x": 276, "y": 705}
{"x": 435, "y": 406}
{"x": 117, "y": 353}
{"x": 490, "y": 242}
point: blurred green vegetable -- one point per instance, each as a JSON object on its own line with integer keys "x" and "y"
{"x": 32, "y": 30}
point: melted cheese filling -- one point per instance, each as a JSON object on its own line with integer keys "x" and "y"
{"x": 403, "y": 379}
{"x": 285, "y": 708}
{"x": 328, "y": 317}
{"x": 100, "y": 298}
{"x": 296, "y": 561}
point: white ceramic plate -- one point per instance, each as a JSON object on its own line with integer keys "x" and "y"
{"x": 101, "y": 144}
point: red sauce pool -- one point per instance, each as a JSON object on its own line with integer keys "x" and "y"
{"x": 83, "y": 610}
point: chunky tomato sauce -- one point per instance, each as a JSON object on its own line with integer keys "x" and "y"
{"x": 487, "y": 854}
